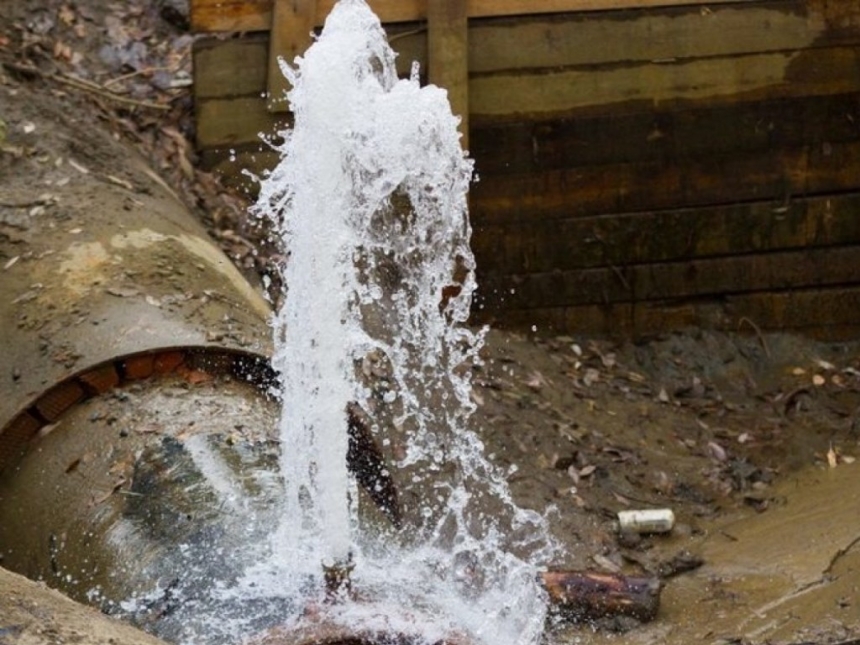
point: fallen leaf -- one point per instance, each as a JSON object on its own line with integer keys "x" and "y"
{"x": 605, "y": 563}
{"x": 119, "y": 182}
{"x": 80, "y": 168}
{"x": 62, "y": 51}
{"x": 67, "y": 15}
{"x": 587, "y": 470}
{"x": 536, "y": 381}
{"x": 716, "y": 451}
{"x": 122, "y": 292}
{"x": 635, "y": 377}
{"x": 591, "y": 377}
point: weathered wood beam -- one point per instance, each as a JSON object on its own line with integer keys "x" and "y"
{"x": 684, "y": 279}
{"x": 256, "y": 15}
{"x": 779, "y": 175}
{"x": 292, "y": 24}
{"x": 448, "y": 55}
{"x": 827, "y": 314}
{"x": 535, "y": 246}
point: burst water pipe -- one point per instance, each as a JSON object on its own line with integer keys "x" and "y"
{"x": 135, "y": 358}
{"x": 135, "y": 376}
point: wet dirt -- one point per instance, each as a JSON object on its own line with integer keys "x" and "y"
{"x": 751, "y": 440}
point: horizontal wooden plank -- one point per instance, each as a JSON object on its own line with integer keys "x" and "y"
{"x": 256, "y": 15}
{"x": 827, "y": 314}
{"x": 576, "y": 41}
{"x": 681, "y": 280}
{"x": 622, "y": 188}
{"x": 535, "y": 245}
{"x": 578, "y": 94}
{"x": 665, "y": 35}
{"x": 233, "y": 122}
{"x": 524, "y": 214}
{"x": 521, "y": 95}
{"x": 664, "y": 135}
{"x": 234, "y": 167}
{"x": 237, "y": 67}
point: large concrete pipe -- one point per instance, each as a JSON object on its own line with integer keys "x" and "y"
{"x": 137, "y": 456}
{"x": 90, "y": 291}
{"x": 134, "y": 368}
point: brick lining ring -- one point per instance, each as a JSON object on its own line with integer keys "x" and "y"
{"x": 190, "y": 362}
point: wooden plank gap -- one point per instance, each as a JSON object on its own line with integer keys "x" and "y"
{"x": 292, "y": 24}
{"x": 448, "y": 55}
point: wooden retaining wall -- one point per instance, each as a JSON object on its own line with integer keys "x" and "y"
{"x": 643, "y": 165}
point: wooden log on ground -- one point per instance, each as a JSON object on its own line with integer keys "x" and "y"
{"x": 587, "y": 595}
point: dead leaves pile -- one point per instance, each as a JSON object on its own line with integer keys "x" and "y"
{"x": 600, "y": 420}
{"x": 135, "y": 68}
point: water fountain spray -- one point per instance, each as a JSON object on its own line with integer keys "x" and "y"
{"x": 370, "y": 201}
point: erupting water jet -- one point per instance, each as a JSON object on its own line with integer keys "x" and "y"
{"x": 370, "y": 202}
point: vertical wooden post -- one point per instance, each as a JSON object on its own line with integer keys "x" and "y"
{"x": 448, "y": 55}
{"x": 292, "y": 24}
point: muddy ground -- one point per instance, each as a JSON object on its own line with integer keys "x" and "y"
{"x": 751, "y": 440}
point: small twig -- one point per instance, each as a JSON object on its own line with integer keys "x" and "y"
{"x": 139, "y": 72}
{"x": 97, "y": 89}
{"x": 37, "y": 202}
{"x": 791, "y": 398}
{"x": 757, "y": 330}
{"x": 82, "y": 84}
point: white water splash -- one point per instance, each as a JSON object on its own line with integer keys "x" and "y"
{"x": 370, "y": 202}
